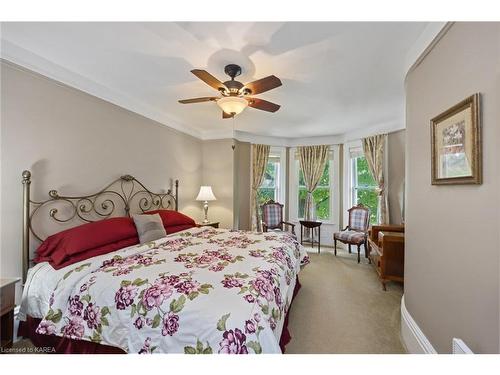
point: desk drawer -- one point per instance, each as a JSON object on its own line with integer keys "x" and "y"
{"x": 7, "y": 299}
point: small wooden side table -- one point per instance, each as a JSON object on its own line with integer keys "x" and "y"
{"x": 311, "y": 225}
{"x": 7, "y": 304}
{"x": 213, "y": 224}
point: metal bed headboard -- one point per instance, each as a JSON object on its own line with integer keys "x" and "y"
{"x": 124, "y": 195}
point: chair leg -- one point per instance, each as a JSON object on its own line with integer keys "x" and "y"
{"x": 359, "y": 249}
{"x": 366, "y": 249}
{"x": 349, "y": 248}
{"x": 335, "y": 246}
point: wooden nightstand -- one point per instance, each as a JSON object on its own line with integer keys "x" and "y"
{"x": 7, "y": 304}
{"x": 214, "y": 224}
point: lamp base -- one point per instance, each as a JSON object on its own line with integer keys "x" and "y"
{"x": 205, "y": 209}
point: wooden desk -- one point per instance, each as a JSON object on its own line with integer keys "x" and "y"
{"x": 311, "y": 225}
{"x": 7, "y": 297}
{"x": 387, "y": 252}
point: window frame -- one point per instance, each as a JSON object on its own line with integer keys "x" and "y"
{"x": 334, "y": 186}
{"x": 280, "y": 179}
{"x": 350, "y": 178}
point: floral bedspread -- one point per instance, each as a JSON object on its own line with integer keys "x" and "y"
{"x": 203, "y": 290}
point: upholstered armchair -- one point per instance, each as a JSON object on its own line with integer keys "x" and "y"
{"x": 356, "y": 232}
{"x": 272, "y": 217}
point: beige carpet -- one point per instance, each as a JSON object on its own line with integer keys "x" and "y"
{"x": 341, "y": 308}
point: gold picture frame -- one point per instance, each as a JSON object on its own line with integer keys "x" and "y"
{"x": 456, "y": 144}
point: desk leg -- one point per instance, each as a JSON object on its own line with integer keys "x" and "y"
{"x": 319, "y": 239}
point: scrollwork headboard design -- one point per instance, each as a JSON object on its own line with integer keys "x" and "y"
{"x": 124, "y": 196}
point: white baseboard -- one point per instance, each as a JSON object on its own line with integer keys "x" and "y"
{"x": 412, "y": 336}
{"x": 16, "y": 323}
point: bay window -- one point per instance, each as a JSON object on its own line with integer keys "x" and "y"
{"x": 363, "y": 188}
{"x": 321, "y": 195}
{"x": 325, "y": 196}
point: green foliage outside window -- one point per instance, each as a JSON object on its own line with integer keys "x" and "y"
{"x": 264, "y": 195}
{"x": 321, "y": 195}
{"x": 366, "y": 192}
{"x": 267, "y": 190}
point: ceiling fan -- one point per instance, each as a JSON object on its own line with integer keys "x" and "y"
{"x": 235, "y": 96}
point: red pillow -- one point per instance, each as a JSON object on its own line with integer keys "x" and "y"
{"x": 172, "y": 218}
{"x": 86, "y": 241}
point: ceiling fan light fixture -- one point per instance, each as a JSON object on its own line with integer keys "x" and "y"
{"x": 232, "y": 105}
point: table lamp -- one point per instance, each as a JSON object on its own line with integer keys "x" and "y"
{"x": 205, "y": 195}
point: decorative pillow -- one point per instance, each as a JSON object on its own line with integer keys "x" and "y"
{"x": 149, "y": 227}
{"x": 173, "y": 219}
{"x": 86, "y": 241}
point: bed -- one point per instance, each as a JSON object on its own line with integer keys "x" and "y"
{"x": 195, "y": 291}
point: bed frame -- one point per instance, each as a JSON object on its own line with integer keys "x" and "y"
{"x": 122, "y": 197}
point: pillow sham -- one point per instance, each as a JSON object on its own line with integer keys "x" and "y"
{"x": 149, "y": 227}
{"x": 172, "y": 218}
{"x": 86, "y": 241}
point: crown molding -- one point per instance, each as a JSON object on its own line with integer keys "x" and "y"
{"x": 388, "y": 127}
{"x": 425, "y": 42}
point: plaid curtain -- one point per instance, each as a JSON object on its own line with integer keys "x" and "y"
{"x": 374, "y": 149}
{"x": 260, "y": 155}
{"x": 312, "y": 160}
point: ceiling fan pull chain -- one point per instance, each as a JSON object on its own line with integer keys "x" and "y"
{"x": 234, "y": 140}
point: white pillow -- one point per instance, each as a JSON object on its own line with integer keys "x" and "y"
{"x": 149, "y": 227}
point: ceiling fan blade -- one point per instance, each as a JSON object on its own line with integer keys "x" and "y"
{"x": 226, "y": 115}
{"x": 263, "y": 105}
{"x": 263, "y": 85}
{"x": 198, "y": 100}
{"x": 209, "y": 79}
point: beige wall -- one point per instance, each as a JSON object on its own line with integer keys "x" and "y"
{"x": 218, "y": 171}
{"x": 242, "y": 185}
{"x": 76, "y": 143}
{"x": 452, "y": 247}
{"x": 396, "y": 174}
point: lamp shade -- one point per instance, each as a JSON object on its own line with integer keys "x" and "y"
{"x": 206, "y": 194}
{"x": 232, "y": 105}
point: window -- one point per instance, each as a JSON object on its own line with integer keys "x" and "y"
{"x": 321, "y": 194}
{"x": 325, "y": 197}
{"x": 271, "y": 187}
{"x": 363, "y": 186}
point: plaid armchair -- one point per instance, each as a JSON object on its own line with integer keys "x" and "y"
{"x": 356, "y": 232}
{"x": 272, "y": 217}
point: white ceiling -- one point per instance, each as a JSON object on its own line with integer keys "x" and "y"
{"x": 338, "y": 77}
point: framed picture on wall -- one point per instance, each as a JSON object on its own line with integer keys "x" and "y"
{"x": 456, "y": 144}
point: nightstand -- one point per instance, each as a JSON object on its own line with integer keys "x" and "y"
{"x": 7, "y": 304}
{"x": 214, "y": 224}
